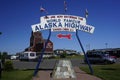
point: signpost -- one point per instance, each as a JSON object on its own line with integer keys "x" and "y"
{"x": 63, "y": 23}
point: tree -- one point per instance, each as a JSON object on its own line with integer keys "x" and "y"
{"x": 4, "y": 56}
{"x": 0, "y": 55}
{"x": 63, "y": 55}
{"x": 8, "y": 66}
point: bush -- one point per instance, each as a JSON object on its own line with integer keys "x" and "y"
{"x": 64, "y": 55}
{"x": 8, "y": 66}
{"x": 3, "y": 60}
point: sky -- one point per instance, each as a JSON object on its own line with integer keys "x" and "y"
{"x": 17, "y": 16}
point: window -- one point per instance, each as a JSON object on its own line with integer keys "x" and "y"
{"x": 26, "y": 54}
{"x": 32, "y": 54}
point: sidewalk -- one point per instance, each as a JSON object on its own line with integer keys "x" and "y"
{"x": 81, "y": 75}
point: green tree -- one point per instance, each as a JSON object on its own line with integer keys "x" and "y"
{"x": 4, "y": 56}
{"x": 63, "y": 55}
{"x": 8, "y": 66}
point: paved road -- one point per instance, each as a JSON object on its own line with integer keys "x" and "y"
{"x": 45, "y": 64}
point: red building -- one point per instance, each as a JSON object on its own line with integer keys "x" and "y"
{"x": 37, "y": 43}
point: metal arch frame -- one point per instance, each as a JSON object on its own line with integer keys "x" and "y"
{"x": 43, "y": 50}
{"x": 41, "y": 56}
{"x": 88, "y": 62}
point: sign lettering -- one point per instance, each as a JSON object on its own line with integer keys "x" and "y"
{"x": 63, "y": 23}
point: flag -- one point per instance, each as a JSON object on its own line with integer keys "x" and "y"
{"x": 42, "y": 9}
{"x": 86, "y": 13}
{"x": 65, "y": 6}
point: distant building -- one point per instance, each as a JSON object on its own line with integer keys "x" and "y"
{"x": 81, "y": 53}
{"x": 37, "y": 43}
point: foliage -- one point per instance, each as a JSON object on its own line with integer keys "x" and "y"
{"x": 106, "y": 72}
{"x": 8, "y": 66}
{"x": 3, "y": 56}
{"x": 63, "y": 55}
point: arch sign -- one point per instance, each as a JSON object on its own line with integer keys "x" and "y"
{"x": 63, "y": 23}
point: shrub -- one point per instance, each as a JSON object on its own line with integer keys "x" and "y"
{"x": 63, "y": 55}
{"x": 8, "y": 66}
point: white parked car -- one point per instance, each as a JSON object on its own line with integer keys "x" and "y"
{"x": 13, "y": 57}
{"x": 28, "y": 56}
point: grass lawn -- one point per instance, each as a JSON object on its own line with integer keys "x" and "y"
{"x": 17, "y": 75}
{"x": 105, "y": 72}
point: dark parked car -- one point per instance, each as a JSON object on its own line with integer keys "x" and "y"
{"x": 100, "y": 58}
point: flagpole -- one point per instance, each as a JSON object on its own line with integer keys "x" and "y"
{"x": 65, "y": 6}
{"x": 86, "y": 13}
{"x": 43, "y": 10}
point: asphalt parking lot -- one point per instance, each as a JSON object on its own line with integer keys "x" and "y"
{"x": 45, "y": 64}
{"x": 48, "y": 63}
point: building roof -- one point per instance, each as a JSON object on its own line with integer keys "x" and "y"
{"x": 106, "y": 49}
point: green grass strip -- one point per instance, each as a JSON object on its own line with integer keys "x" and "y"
{"x": 17, "y": 75}
{"x": 106, "y": 72}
